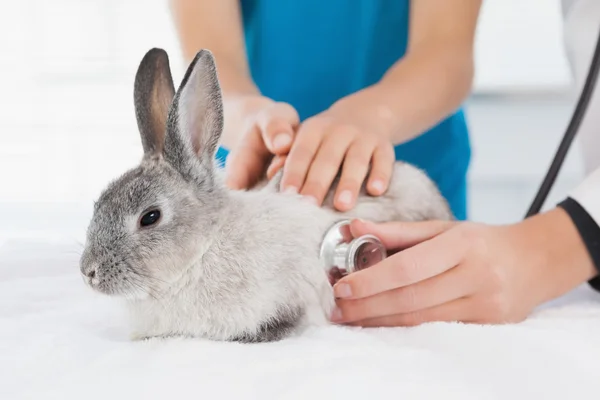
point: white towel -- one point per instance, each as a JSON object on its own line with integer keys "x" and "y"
{"x": 58, "y": 340}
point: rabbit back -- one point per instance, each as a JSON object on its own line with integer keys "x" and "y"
{"x": 411, "y": 196}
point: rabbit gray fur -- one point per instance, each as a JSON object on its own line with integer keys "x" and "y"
{"x": 218, "y": 264}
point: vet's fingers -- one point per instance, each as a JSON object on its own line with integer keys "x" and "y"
{"x": 277, "y": 124}
{"x": 381, "y": 169}
{"x": 247, "y": 161}
{"x": 399, "y": 235}
{"x": 301, "y": 155}
{"x": 459, "y": 310}
{"x": 276, "y": 164}
{"x": 422, "y": 261}
{"x": 422, "y": 295}
{"x": 326, "y": 163}
{"x": 354, "y": 172}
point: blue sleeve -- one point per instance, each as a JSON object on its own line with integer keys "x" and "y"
{"x": 221, "y": 156}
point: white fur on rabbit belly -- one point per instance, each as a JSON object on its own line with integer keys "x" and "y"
{"x": 217, "y": 264}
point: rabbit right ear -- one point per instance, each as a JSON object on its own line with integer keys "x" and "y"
{"x": 153, "y": 95}
{"x": 195, "y": 122}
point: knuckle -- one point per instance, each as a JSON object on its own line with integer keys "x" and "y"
{"x": 359, "y": 152}
{"x": 472, "y": 234}
{"x": 344, "y": 130}
{"x": 285, "y": 108}
{"x": 275, "y": 126}
{"x": 465, "y": 231}
{"x": 362, "y": 287}
{"x": 384, "y": 145}
{"x": 264, "y": 115}
{"x": 313, "y": 125}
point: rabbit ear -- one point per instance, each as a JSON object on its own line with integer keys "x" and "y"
{"x": 195, "y": 120}
{"x": 153, "y": 94}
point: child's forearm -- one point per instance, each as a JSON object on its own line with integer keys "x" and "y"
{"x": 422, "y": 90}
{"x": 436, "y": 74}
{"x": 216, "y": 26}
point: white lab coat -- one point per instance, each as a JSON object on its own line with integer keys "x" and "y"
{"x": 581, "y": 28}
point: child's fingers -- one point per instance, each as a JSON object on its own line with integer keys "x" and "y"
{"x": 246, "y": 162}
{"x": 354, "y": 171}
{"x": 277, "y": 124}
{"x": 327, "y": 162}
{"x": 301, "y": 155}
{"x": 276, "y": 164}
{"x": 381, "y": 169}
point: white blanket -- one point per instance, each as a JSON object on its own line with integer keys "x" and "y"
{"x": 58, "y": 340}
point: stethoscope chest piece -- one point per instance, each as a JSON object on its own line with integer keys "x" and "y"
{"x": 343, "y": 254}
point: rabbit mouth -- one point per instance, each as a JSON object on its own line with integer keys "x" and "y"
{"x": 115, "y": 280}
{"x": 102, "y": 285}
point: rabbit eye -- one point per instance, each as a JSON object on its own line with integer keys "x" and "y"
{"x": 150, "y": 218}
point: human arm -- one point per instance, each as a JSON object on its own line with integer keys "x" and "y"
{"x": 479, "y": 273}
{"x": 491, "y": 274}
{"x": 252, "y": 121}
{"x": 436, "y": 75}
{"x": 418, "y": 91}
{"x": 468, "y": 272}
{"x": 215, "y": 25}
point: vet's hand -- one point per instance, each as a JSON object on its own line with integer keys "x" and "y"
{"x": 350, "y": 136}
{"x": 462, "y": 271}
{"x": 268, "y": 131}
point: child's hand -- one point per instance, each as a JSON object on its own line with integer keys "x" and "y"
{"x": 267, "y": 129}
{"x": 351, "y": 136}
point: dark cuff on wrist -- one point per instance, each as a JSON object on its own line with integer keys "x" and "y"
{"x": 589, "y": 232}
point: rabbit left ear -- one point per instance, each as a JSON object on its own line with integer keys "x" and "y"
{"x": 153, "y": 95}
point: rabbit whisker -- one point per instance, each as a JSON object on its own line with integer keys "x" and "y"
{"x": 150, "y": 285}
{"x": 133, "y": 287}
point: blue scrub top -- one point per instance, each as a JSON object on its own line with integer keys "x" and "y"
{"x": 310, "y": 53}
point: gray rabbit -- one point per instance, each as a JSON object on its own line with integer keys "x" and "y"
{"x": 190, "y": 257}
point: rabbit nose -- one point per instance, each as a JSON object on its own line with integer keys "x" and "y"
{"x": 89, "y": 270}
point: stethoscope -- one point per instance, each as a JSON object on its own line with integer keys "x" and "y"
{"x": 343, "y": 254}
